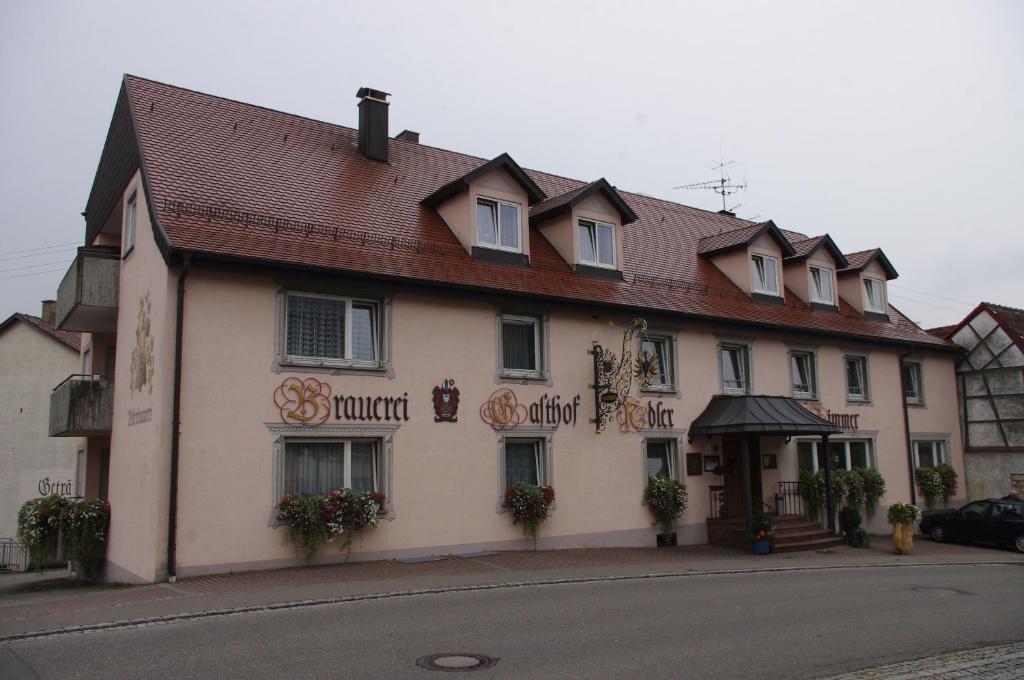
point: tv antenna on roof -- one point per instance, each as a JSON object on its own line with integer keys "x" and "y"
{"x": 723, "y": 186}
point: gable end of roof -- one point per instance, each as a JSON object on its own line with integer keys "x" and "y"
{"x": 505, "y": 162}
{"x": 557, "y": 205}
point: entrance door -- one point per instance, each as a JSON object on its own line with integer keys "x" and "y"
{"x": 736, "y": 500}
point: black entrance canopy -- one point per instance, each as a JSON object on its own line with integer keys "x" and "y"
{"x": 758, "y": 415}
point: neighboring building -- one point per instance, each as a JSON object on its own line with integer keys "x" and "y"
{"x": 288, "y": 303}
{"x": 990, "y": 382}
{"x": 34, "y": 357}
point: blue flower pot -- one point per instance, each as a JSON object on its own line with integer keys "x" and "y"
{"x": 762, "y": 546}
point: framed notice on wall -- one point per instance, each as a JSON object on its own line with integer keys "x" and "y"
{"x": 693, "y": 464}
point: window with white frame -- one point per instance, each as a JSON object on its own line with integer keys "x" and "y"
{"x": 597, "y": 243}
{"x": 846, "y": 454}
{"x": 822, "y": 286}
{"x": 497, "y": 224}
{"x": 802, "y": 373}
{"x": 857, "y": 378}
{"x": 524, "y": 462}
{"x": 660, "y": 348}
{"x": 325, "y": 465}
{"x": 913, "y": 389}
{"x": 331, "y": 330}
{"x": 874, "y": 296}
{"x": 735, "y": 368}
{"x": 929, "y": 453}
{"x": 128, "y": 232}
{"x": 765, "y": 274}
{"x": 521, "y": 346}
{"x": 660, "y": 457}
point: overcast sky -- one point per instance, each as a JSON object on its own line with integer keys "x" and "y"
{"x": 899, "y": 125}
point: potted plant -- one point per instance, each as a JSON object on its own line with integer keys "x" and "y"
{"x": 530, "y": 505}
{"x": 874, "y": 490}
{"x": 313, "y": 519}
{"x": 849, "y": 521}
{"x": 762, "y": 528}
{"x": 667, "y": 500}
{"x": 929, "y": 481}
{"x": 949, "y": 477}
{"x": 902, "y": 517}
{"x": 85, "y": 525}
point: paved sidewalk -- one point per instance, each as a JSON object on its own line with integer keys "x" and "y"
{"x": 48, "y": 602}
{"x": 1002, "y": 662}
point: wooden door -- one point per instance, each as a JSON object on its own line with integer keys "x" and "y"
{"x": 733, "y": 481}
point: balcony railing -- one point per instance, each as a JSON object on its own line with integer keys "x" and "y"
{"x": 82, "y": 406}
{"x": 87, "y": 296}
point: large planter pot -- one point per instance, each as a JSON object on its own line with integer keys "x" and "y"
{"x": 762, "y": 546}
{"x": 902, "y": 538}
{"x": 667, "y": 540}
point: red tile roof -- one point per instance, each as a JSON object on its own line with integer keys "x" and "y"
{"x": 1011, "y": 318}
{"x": 860, "y": 259}
{"x": 233, "y": 180}
{"x": 69, "y": 338}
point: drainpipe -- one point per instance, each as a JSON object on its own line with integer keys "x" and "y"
{"x": 906, "y": 427}
{"x": 172, "y": 503}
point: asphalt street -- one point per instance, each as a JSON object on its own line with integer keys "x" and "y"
{"x": 759, "y": 625}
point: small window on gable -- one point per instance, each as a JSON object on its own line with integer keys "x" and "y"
{"x": 597, "y": 243}
{"x": 874, "y": 296}
{"x": 822, "y": 289}
{"x": 128, "y": 232}
{"x": 765, "y": 274}
{"x": 497, "y": 224}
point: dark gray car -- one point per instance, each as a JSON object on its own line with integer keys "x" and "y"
{"x": 993, "y": 521}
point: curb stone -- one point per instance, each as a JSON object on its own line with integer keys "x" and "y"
{"x": 506, "y": 585}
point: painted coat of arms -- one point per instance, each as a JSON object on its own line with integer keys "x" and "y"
{"x": 446, "y": 402}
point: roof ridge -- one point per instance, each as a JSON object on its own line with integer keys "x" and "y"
{"x": 730, "y": 231}
{"x": 429, "y": 146}
{"x": 1007, "y": 307}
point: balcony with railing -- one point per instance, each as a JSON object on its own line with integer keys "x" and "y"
{"x": 87, "y": 296}
{"x": 82, "y": 406}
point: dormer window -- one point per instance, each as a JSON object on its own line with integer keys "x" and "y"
{"x": 874, "y": 296}
{"x": 497, "y": 224}
{"x": 765, "y": 274}
{"x": 597, "y": 243}
{"x": 822, "y": 288}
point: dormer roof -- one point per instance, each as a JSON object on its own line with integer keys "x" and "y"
{"x": 741, "y": 238}
{"x": 804, "y": 248}
{"x": 562, "y": 203}
{"x": 862, "y": 258}
{"x": 504, "y": 162}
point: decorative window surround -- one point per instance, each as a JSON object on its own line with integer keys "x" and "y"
{"x": 939, "y": 442}
{"x": 812, "y": 357}
{"x": 915, "y": 380}
{"x": 866, "y": 376}
{"x": 670, "y": 342}
{"x": 543, "y": 347}
{"x": 745, "y": 344}
{"x": 675, "y": 439}
{"x": 382, "y": 367}
{"x": 280, "y": 432}
{"x": 545, "y": 435}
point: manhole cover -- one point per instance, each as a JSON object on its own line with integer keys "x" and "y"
{"x": 935, "y": 590}
{"x": 456, "y": 662}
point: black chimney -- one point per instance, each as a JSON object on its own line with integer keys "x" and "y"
{"x": 373, "y": 123}
{"x": 408, "y": 136}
